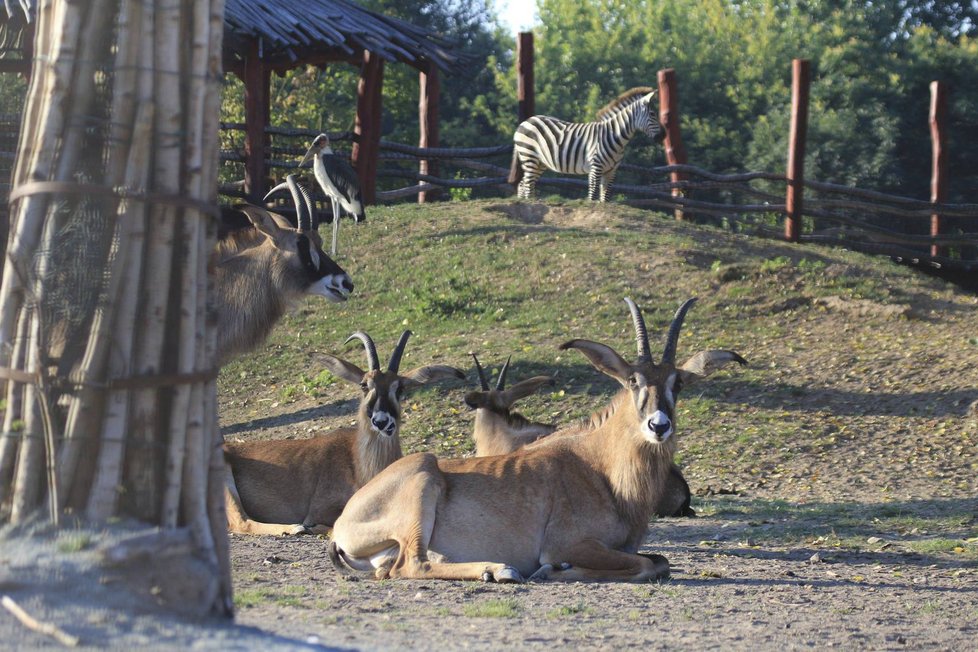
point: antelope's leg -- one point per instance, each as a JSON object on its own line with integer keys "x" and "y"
{"x": 238, "y": 521}
{"x": 594, "y": 561}
{"x": 405, "y": 521}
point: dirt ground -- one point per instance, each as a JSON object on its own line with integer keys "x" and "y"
{"x": 726, "y": 592}
{"x": 857, "y": 528}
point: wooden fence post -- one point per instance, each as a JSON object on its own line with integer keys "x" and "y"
{"x": 257, "y": 85}
{"x": 938, "y": 174}
{"x": 669, "y": 117}
{"x": 800, "y": 82}
{"x": 366, "y": 147}
{"x": 524, "y": 67}
{"x": 428, "y": 123}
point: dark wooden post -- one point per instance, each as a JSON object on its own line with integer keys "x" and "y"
{"x": 669, "y": 117}
{"x": 428, "y": 123}
{"x": 938, "y": 172}
{"x": 800, "y": 82}
{"x": 524, "y": 71}
{"x": 257, "y": 89}
{"x": 367, "y": 127}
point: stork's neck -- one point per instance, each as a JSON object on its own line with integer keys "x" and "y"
{"x": 326, "y": 150}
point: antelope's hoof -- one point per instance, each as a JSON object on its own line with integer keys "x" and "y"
{"x": 661, "y": 571}
{"x": 508, "y": 575}
{"x": 298, "y": 528}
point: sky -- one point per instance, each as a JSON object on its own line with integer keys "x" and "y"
{"x": 517, "y": 15}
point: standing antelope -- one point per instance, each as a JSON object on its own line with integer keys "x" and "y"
{"x": 497, "y": 428}
{"x": 293, "y": 486}
{"x": 575, "y": 507}
{"x": 260, "y": 273}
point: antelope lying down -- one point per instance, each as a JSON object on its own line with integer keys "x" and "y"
{"x": 574, "y": 507}
{"x": 261, "y": 272}
{"x": 295, "y": 486}
{"x": 499, "y": 430}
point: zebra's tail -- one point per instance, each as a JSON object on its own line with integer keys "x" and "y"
{"x": 515, "y": 169}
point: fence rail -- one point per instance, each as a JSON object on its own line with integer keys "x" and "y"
{"x": 750, "y": 202}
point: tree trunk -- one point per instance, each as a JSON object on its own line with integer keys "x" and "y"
{"x": 107, "y": 356}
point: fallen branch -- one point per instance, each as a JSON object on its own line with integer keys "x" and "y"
{"x": 30, "y": 622}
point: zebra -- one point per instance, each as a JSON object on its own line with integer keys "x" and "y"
{"x": 591, "y": 148}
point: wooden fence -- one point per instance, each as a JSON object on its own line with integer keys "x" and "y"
{"x": 750, "y": 202}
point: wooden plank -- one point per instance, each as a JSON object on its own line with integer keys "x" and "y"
{"x": 800, "y": 82}
{"x": 257, "y": 89}
{"x": 525, "y": 96}
{"x": 428, "y": 116}
{"x": 669, "y": 117}
{"x": 366, "y": 146}
{"x": 937, "y": 118}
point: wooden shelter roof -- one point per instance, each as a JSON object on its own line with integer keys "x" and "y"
{"x": 293, "y": 31}
{"x": 289, "y": 33}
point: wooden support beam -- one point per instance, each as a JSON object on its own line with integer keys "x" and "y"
{"x": 428, "y": 117}
{"x": 800, "y": 82}
{"x": 524, "y": 81}
{"x": 669, "y": 117}
{"x": 257, "y": 91}
{"x": 937, "y": 119}
{"x": 366, "y": 147}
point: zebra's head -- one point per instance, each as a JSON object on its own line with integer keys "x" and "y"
{"x": 648, "y": 120}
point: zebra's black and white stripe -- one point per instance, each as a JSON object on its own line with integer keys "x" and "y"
{"x": 591, "y": 148}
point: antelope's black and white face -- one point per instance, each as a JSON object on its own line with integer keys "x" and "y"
{"x": 324, "y": 277}
{"x": 654, "y": 391}
{"x": 382, "y": 396}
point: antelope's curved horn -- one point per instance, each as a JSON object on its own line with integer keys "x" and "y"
{"x": 501, "y": 383}
{"x": 368, "y": 344}
{"x": 310, "y": 207}
{"x": 641, "y": 334}
{"x": 482, "y": 375}
{"x": 395, "y": 362}
{"x": 302, "y": 223}
{"x": 672, "y": 338}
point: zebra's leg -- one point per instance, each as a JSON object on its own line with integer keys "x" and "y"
{"x": 528, "y": 183}
{"x": 593, "y": 182}
{"x": 606, "y": 180}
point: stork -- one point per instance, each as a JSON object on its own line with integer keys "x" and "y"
{"x": 338, "y": 180}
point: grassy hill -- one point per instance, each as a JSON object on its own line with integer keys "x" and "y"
{"x": 862, "y": 375}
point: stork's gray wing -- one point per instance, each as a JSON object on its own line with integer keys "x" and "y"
{"x": 343, "y": 175}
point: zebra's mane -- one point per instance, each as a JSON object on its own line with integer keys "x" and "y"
{"x": 624, "y": 99}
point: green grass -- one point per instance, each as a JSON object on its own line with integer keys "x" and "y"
{"x": 250, "y": 598}
{"x": 69, "y": 542}
{"x": 466, "y": 276}
{"x": 495, "y": 608}
{"x": 567, "y": 611}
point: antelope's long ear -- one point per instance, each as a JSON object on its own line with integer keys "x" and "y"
{"x": 343, "y": 369}
{"x": 525, "y": 388}
{"x": 477, "y": 399}
{"x": 424, "y": 375}
{"x": 603, "y": 358}
{"x": 705, "y": 363}
{"x": 261, "y": 220}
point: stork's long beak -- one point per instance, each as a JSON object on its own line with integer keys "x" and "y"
{"x": 307, "y": 159}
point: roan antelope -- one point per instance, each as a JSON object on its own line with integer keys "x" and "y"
{"x": 498, "y": 429}
{"x": 294, "y": 486}
{"x": 259, "y": 274}
{"x": 575, "y": 507}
